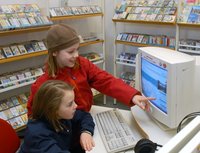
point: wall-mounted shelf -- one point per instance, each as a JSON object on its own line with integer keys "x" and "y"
{"x": 19, "y": 85}
{"x": 130, "y": 43}
{"x": 91, "y": 42}
{"x": 143, "y": 22}
{"x": 24, "y": 30}
{"x": 123, "y": 63}
{"x": 40, "y": 53}
{"x": 136, "y": 44}
{"x": 24, "y": 56}
{"x": 75, "y": 16}
{"x": 189, "y": 24}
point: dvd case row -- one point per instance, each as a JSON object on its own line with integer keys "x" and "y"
{"x": 17, "y": 8}
{"x": 154, "y": 40}
{"x": 190, "y": 14}
{"x": 19, "y": 77}
{"x": 23, "y": 20}
{"x": 74, "y": 10}
{"x": 13, "y": 110}
{"x": 92, "y": 56}
{"x": 128, "y": 78}
{"x": 152, "y": 3}
{"x": 189, "y": 45}
{"x": 126, "y": 57}
{"x": 21, "y": 49}
{"x": 146, "y": 12}
{"x": 146, "y": 17}
{"x": 151, "y": 10}
{"x": 88, "y": 38}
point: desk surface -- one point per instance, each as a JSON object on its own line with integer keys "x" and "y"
{"x": 156, "y": 134}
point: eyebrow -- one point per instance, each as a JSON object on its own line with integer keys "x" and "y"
{"x": 70, "y": 103}
{"x": 75, "y": 48}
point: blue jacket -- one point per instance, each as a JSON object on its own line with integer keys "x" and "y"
{"x": 40, "y": 137}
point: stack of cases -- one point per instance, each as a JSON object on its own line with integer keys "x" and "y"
{"x": 190, "y": 14}
{"x": 152, "y": 10}
{"x": 92, "y": 56}
{"x": 75, "y": 10}
{"x": 20, "y": 49}
{"x": 14, "y": 111}
{"x": 189, "y": 45}
{"x": 128, "y": 78}
{"x": 154, "y": 40}
{"x": 21, "y": 16}
{"x": 126, "y": 57}
{"x": 20, "y": 77}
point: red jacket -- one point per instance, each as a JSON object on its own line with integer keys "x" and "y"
{"x": 85, "y": 77}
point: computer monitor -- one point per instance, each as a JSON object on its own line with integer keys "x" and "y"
{"x": 168, "y": 76}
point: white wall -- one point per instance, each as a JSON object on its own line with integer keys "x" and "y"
{"x": 109, "y": 34}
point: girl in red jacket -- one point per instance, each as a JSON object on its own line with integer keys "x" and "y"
{"x": 65, "y": 64}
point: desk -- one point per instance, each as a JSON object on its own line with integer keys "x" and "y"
{"x": 156, "y": 134}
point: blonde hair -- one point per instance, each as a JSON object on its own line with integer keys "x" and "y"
{"x": 52, "y": 65}
{"x": 47, "y": 101}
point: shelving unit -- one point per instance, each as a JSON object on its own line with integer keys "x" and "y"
{"x": 14, "y": 64}
{"x": 136, "y": 26}
{"x": 189, "y": 46}
{"x": 77, "y": 22}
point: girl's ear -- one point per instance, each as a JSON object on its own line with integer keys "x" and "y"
{"x": 55, "y": 53}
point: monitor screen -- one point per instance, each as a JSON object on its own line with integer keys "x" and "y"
{"x": 154, "y": 83}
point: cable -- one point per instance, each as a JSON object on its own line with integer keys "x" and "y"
{"x": 189, "y": 116}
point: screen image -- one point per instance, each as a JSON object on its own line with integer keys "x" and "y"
{"x": 154, "y": 83}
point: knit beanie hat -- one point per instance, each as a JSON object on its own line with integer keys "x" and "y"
{"x": 61, "y": 36}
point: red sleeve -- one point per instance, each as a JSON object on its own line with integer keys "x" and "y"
{"x": 30, "y": 99}
{"x": 108, "y": 84}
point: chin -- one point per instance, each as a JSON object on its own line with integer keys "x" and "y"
{"x": 68, "y": 118}
{"x": 72, "y": 116}
{"x": 71, "y": 65}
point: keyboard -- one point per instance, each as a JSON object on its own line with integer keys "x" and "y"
{"x": 115, "y": 132}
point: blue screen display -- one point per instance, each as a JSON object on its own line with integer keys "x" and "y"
{"x": 154, "y": 83}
